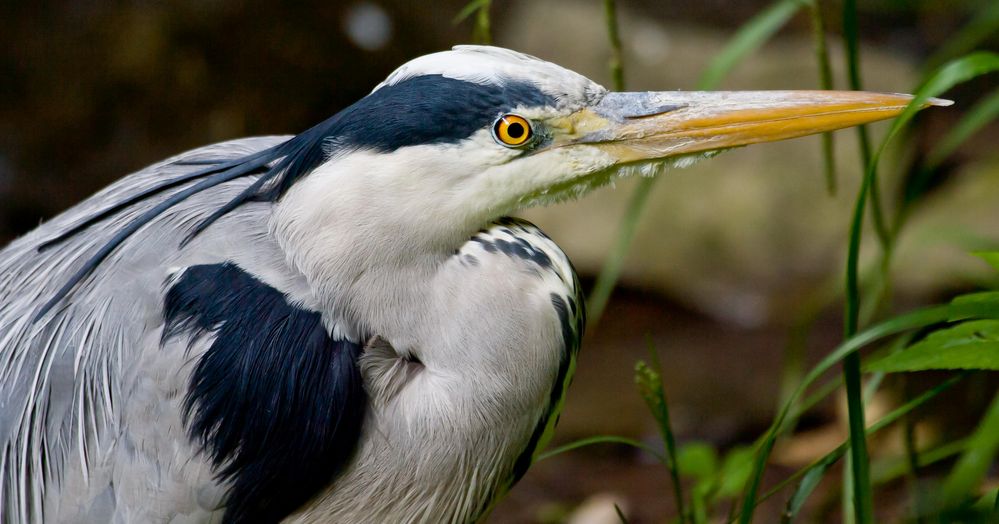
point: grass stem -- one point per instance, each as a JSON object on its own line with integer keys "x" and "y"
{"x": 614, "y": 36}
{"x": 609, "y": 273}
{"x": 825, "y": 82}
{"x": 863, "y": 504}
{"x": 611, "y": 270}
{"x": 749, "y": 37}
{"x": 483, "y": 33}
{"x": 648, "y": 378}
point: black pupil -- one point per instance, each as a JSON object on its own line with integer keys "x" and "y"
{"x": 516, "y": 130}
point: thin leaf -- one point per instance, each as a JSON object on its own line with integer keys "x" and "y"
{"x": 697, "y": 460}
{"x": 911, "y": 462}
{"x": 468, "y": 10}
{"x": 734, "y": 472}
{"x": 834, "y": 455}
{"x": 648, "y": 379}
{"x": 978, "y": 457}
{"x": 613, "y": 35}
{"x": 750, "y": 36}
{"x": 913, "y": 320}
{"x": 604, "y": 439}
{"x": 481, "y": 33}
{"x": 863, "y": 505}
{"x": 983, "y": 24}
{"x": 860, "y": 478}
{"x": 975, "y": 119}
{"x": 891, "y": 470}
{"x": 620, "y": 514}
{"x": 808, "y": 483}
{"x": 969, "y": 345}
{"x": 953, "y": 73}
{"x": 851, "y": 41}
{"x": 825, "y": 82}
{"x": 983, "y": 304}
{"x": 611, "y": 270}
{"x": 991, "y": 257}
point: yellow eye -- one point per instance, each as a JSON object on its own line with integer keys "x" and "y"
{"x": 512, "y": 130}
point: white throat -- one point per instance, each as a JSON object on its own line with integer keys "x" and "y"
{"x": 369, "y": 235}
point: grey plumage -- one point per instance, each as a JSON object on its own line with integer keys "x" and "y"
{"x": 97, "y": 411}
{"x": 75, "y": 370}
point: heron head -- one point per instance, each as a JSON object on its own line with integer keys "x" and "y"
{"x": 452, "y": 140}
{"x": 478, "y": 132}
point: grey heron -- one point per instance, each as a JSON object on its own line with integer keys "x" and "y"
{"x": 342, "y": 325}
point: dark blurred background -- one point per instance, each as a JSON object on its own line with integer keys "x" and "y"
{"x": 730, "y": 255}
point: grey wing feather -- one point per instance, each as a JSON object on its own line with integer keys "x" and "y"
{"x": 64, "y": 377}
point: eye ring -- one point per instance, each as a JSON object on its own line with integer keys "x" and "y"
{"x": 512, "y": 130}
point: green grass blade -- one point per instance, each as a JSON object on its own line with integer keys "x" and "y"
{"x": 863, "y": 505}
{"x": 973, "y": 120}
{"x": 860, "y": 466}
{"x": 982, "y": 304}
{"x": 808, "y": 483}
{"x": 603, "y": 439}
{"x": 614, "y": 36}
{"x": 859, "y": 470}
{"x": 900, "y": 324}
{"x": 620, "y": 515}
{"x": 611, "y": 270}
{"x": 825, "y": 82}
{"x": 851, "y": 40}
{"x": 976, "y": 118}
{"x": 468, "y": 10}
{"x": 863, "y": 502}
{"x": 990, "y": 257}
{"x": 747, "y": 39}
{"x": 897, "y": 467}
{"x": 734, "y": 472}
{"x": 481, "y": 32}
{"x": 983, "y": 24}
{"x": 969, "y": 345}
{"x": 976, "y": 460}
{"x": 648, "y": 379}
{"x": 911, "y": 462}
{"x": 830, "y": 458}
{"x": 951, "y": 74}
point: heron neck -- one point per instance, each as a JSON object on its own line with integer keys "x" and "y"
{"x": 369, "y": 261}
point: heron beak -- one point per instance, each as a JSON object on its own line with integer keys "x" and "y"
{"x": 636, "y": 127}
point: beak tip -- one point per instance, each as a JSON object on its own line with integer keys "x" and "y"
{"x": 927, "y": 102}
{"x": 939, "y": 102}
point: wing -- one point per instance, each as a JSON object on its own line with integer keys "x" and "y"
{"x": 568, "y": 302}
{"x": 90, "y": 390}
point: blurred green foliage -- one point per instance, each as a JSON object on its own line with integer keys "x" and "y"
{"x": 962, "y": 335}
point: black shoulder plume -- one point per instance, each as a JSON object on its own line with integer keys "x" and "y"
{"x": 275, "y": 402}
